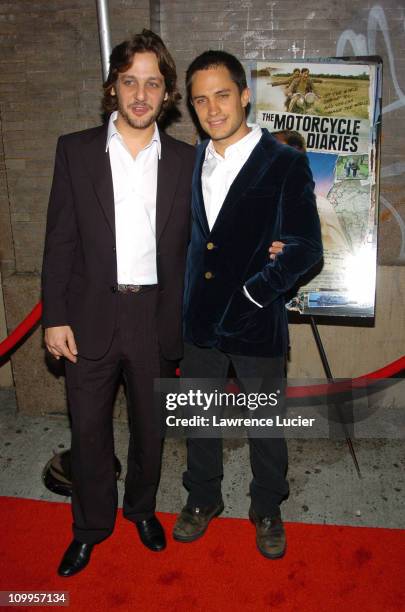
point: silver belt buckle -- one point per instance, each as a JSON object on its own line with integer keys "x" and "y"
{"x": 134, "y": 288}
{"x": 129, "y": 288}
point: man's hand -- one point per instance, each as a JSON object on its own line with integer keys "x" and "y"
{"x": 60, "y": 342}
{"x": 276, "y": 248}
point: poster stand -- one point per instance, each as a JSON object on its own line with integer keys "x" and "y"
{"x": 330, "y": 378}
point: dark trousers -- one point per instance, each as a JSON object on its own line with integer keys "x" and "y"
{"x": 91, "y": 388}
{"x": 268, "y": 456}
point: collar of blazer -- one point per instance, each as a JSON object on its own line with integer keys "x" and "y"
{"x": 98, "y": 164}
{"x": 257, "y": 164}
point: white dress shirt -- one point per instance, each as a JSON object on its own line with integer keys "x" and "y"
{"x": 135, "y": 187}
{"x": 218, "y": 174}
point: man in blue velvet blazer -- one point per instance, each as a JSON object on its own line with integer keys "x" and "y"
{"x": 248, "y": 191}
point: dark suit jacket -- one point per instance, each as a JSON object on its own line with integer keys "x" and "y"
{"x": 79, "y": 274}
{"x": 271, "y": 199}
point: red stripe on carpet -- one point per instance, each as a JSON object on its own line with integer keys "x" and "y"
{"x": 326, "y": 568}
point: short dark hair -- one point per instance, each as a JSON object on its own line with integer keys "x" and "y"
{"x": 211, "y": 58}
{"x": 304, "y": 70}
{"x": 121, "y": 59}
{"x": 292, "y": 138}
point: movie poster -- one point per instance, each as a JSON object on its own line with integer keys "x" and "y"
{"x": 335, "y": 107}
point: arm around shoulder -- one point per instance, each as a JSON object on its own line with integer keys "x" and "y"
{"x": 300, "y": 230}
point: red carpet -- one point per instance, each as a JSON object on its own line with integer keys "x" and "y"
{"x": 327, "y": 568}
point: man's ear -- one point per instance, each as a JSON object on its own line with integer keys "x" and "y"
{"x": 112, "y": 92}
{"x": 245, "y": 97}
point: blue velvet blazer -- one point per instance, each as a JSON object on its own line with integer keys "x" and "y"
{"x": 272, "y": 198}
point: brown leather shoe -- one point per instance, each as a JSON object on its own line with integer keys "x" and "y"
{"x": 192, "y": 522}
{"x": 270, "y": 535}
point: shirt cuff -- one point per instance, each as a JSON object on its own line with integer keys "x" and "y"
{"x": 249, "y": 297}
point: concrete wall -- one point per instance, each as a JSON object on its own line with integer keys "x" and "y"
{"x": 50, "y": 77}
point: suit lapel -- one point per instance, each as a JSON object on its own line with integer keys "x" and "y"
{"x": 198, "y": 198}
{"x": 98, "y": 165}
{"x": 169, "y": 168}
{"x": 257, "y": 163}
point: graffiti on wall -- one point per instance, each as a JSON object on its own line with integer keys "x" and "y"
{"x": 351, "y": 43}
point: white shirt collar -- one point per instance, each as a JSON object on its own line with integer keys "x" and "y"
{"x": 239, "y": 148}
{"x": 112, "y": 132}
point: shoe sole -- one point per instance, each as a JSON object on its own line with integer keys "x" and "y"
{"x": 193, "y": 538}
{"x": 74, "y": 572}
{"x": 271, "y": 555}
{"x": 149, "y": 547}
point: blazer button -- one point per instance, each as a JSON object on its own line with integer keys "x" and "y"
{"x": 210, "y": 246}
{"x": 208, "y": 275}
{"x": 113, "y": 289}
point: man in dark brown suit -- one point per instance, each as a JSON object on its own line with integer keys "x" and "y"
{"x": 117, "y": 232}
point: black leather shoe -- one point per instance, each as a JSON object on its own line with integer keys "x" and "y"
{"x": 151, "y": 534}
{"x": 75, "y": 559}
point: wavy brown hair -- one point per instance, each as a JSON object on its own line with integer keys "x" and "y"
{"x": 121, "y": 59}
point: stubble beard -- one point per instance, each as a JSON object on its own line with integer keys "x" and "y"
{"x": 143, "y": 122}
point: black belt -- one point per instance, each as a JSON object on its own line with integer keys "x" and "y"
{"x": 134, "y": 288}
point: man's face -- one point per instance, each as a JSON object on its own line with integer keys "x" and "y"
{"x": 219, "y": 105}
{"x": 140, "y": 91}
{"x": 305, "y": 75}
